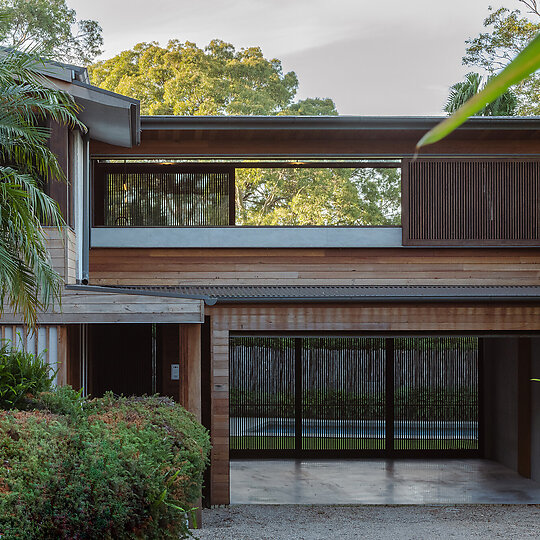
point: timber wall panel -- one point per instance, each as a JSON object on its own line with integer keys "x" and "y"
{"x": 61, "y": 246}
{"x": 219, "y": 389}
{"x": 362, "y": 266}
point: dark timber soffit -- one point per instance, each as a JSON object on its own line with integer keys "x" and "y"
{"x": 347, "y": 293}
{"x": 420, "y": 123}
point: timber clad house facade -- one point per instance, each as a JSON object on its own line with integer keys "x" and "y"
{"x": 301, "y": 341}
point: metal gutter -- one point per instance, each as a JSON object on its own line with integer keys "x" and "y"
{"x": 107, "y": 93}
{"x": 380, "y": 299}
{"x": 328, "y": 123}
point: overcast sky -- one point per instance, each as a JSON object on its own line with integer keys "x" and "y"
{"x": 393, "y": 57}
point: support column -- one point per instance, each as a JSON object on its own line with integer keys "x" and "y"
{"x": 219, "y": 431}
{"x": 190, "y": 368}
{"x": 389, "y": 397}
{"x": 524, "y": 407}
{"x": 62, "y": 356}
{"x": 190, "y": 380}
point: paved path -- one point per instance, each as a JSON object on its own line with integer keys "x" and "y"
{"x": 284, "y": 522}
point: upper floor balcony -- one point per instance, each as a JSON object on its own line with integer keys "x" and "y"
{"x": 308, "y": 204}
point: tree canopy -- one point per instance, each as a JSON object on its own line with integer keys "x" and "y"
{"x": 508, "y": 33}
{"x": 333, "y": 197}
{"x": 51, "y": 25}
{"x": 183, "y": 79}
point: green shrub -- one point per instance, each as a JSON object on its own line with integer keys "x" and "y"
{"x": 108, "y": 468}
{"x": 21, "y": 373}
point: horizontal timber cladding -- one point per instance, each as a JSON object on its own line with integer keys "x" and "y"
{"x": 367, "y": 266}
{"x": 150, "y": 195}
{"x": 471, "y": 202}
{"x": 399, "y": 317}
{"x": 95, "y": 307}
{"x": 61, "y": 245}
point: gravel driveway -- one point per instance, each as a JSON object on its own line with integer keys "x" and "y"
{"x": 286, "y": 522}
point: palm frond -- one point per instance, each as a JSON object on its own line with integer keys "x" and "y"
{"x": 28, "y": 102}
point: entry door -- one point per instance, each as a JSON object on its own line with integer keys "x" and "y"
{"x": 353, "y": 396}
{"x": 120, "y": 359}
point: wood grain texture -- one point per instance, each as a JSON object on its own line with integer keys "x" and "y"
{"x": 219, "y": 473}
{"x": 471, "y": 202}
{"x": 190, "y": 368}
{"x": 362, "y": 266}
{"x": 321, "y": 143}
{"x": 92, "y": 307}
{"x": 399, "y": 317}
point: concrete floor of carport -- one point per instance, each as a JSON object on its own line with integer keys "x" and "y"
{"x": 379, "y": 481}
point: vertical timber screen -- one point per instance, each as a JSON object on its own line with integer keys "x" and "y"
{"x": 150, "y": 195}
{"x": 339, "y": 396}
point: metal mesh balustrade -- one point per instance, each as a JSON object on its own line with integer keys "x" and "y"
{"x": 262, "y": 394}
{"x": 343, "y": 393}
{"x": 353, "y": 396}
{"x": 436, "y": 393}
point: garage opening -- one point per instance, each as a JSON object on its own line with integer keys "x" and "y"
{"x": 301, "y": 397}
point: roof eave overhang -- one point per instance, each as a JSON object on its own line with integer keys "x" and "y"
{"x": 110, "y": 118}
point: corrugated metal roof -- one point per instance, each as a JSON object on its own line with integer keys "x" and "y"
{"x": 348, "y": 293}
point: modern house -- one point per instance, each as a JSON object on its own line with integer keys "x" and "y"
{"x": 301, "y": 341}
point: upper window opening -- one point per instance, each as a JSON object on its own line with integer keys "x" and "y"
{"x": 318, "y": 197}
{"x": 245, "y": 194}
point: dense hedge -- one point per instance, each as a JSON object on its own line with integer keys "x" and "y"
{"x": 428, "y": 404}
{"x": 109, "y": 468}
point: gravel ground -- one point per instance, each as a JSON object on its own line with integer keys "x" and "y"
{"x": 285, "y": 522}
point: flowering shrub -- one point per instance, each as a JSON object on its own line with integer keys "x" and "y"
{"x": 108, "y": 468}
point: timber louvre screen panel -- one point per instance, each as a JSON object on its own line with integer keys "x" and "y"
{"x": 146, "y": 195}
{"x": 471, "y": 202}
{"x": 348, "y": 396}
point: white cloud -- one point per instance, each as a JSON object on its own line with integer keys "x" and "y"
{"x": 393, "y": 57}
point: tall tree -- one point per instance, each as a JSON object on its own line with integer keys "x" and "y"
{"x": 27, "y": 280}
{"x": 333, "y": 197}
{"x": 184, "y": 79}
{"x": 509, "y": 32}
{"x": 504, "y": 105}
{"x": 53, "y": 26}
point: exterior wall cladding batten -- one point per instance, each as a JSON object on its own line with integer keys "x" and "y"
{"x": 139, "y": 300}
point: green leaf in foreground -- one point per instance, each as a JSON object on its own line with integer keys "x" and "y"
{"x": 525, "y": 63}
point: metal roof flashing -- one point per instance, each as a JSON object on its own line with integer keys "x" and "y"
{"x": 223, "y": 294}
